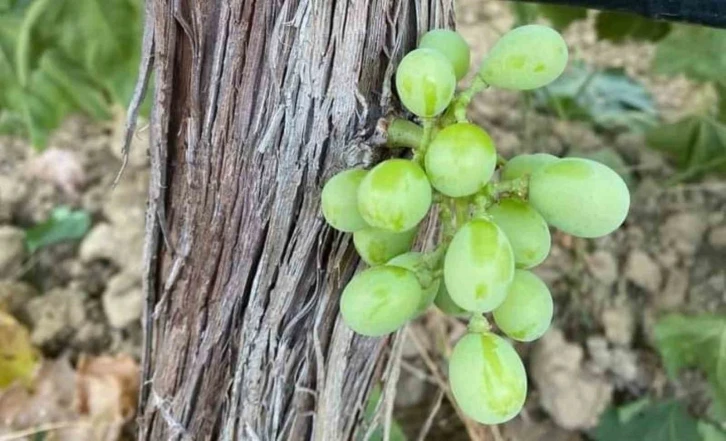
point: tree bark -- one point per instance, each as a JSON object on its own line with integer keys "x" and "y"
{"x": 256, "y": 104}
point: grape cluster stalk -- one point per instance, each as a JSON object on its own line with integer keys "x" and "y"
{"x": 495, "y": 216}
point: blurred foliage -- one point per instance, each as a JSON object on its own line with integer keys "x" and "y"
{"x": 64, "y": 56}
{"x": 696, "y": 143}
{"x": 619, "y": 27}
{"x": 695, "y": 342}
{"x": 374, "y": 399}
{"x": 63, "y": 225}
{"x": 607, "y": 98}
{"x": 646, "y": 421}
{"x": 694, "y": 51}
{"x": 709, "y": 432}
{"x": 562, "y": 16}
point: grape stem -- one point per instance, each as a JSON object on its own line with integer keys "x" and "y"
{"x": 491, "y": 193}
{"x": 479, "y": 324}
{"x": 457, "y": 109}
{"x": 420, "y": 152}
{"x": 403, "y": 133}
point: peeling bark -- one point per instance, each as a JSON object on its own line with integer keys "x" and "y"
{"x": 257, "y": 103}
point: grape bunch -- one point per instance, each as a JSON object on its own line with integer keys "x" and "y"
{"x": 494, "y": 216}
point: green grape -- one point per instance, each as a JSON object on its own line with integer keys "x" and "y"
{"x": 527, "y": 232}
{"x": 430, "y": 285}
{"x": 446, "y": 304}
{"x": 460, "y": 160}
{"x": 581, "y": 197}
{"x": 395, "y": 195}
{"x": 525, "y": 58}
{"x": 426, "y": 82}
{"x": 479, "y": 266}
{"x": 522, "y": 165}
{"x": 380, "y": 300}
{"x": 377, "y": 246}
{"x": 451, "y": 45}
{"x": 339, "y": 201}
{"x": 526, "y": 313}
{"x": 487, "y": 378}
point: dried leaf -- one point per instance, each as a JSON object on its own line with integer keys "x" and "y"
{"x": 18, "y": 357}
{"x": 108, "y": 385}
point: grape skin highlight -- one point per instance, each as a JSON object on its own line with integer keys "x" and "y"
{"x": 581, "y": 197}
{"x": 429, "y": 285}
{"x": 377, "y": 246}
{"x": 525, "y": 58}
{"x": 339, "y": 201}
{"x": 380, "y": 300}
{"x": 487, "y": 378}
{"x": 395, "y": 195}
{"x": 451, "y": 45}
{"x": 460, "y": 160}
{"x": 526, "y": 313}
{"x": 522, "y": 165}
{"x": 526, "y": 230}
{"x": 425, "y": 82}
{"x": 446, "y": 304}
{"x": 479, "y": 266}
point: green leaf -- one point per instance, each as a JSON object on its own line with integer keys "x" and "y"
{"x": 627, "y": 411}
{"x": 79, "y": 87}
{"x": 396, "y": 431}
{"x": 561, "y": 16}
{"x": 695, "y": 51}
{"x": 665, "y": 421}
{"x": 709, "y": 432}
{"x": 63, "y": 224}
{"x": 64, "y": 56}
{"x": 696, "y": 143}
{"x": 619, "y": 27}
{"x": 524, "y": 13}
{"x": 721, "y": 104}
{"x": 608, "y": 98}
{"x": 695, "y": 342}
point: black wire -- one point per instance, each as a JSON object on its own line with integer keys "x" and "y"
{"x": 705, "y": 12}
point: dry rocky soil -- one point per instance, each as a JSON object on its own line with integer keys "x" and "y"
{"x": 85, "y": 297}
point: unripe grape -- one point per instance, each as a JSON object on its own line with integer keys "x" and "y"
{"x": 446, "y": 304}
{"x": 460, "y": 160}
{"x": 339, "y": 201}
{"x": 525, "y": 58}
{"x": 380, "y": 300}
{"x": 487, "y": 378}
{"x": 581, "y": 197}
{"x": 395, "y": 195}
{"x": 377, "y": 246}
{"x": 479, "y": 266}
{"x": 451, "y": 45}
{"x": 526, "y": 230}
{"x": 522, "y": 165}
{"x": 526, "y": 313}
{"x": 429, "y": 285}
{"x": 426, "y": 82}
